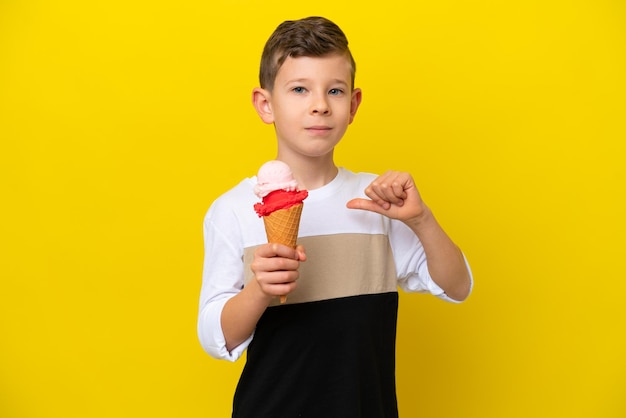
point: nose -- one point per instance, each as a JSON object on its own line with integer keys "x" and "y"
{"x": 319, "y": 105}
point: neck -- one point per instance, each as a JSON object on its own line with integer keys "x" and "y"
{"x": 311, "y": 173}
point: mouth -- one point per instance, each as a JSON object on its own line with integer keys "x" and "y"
{"x": 318, "y": 129}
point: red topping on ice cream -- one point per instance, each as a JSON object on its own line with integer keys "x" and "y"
{"x": 279, "y": 199}
{"x": 277, "y": 187}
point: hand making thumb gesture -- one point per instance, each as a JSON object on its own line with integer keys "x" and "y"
{"x": 394, "y": 195}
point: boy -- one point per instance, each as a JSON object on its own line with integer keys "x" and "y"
{"x": 330, "y": 350}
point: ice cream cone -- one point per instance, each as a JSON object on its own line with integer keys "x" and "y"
{"x": 282, "y": 226}
{"x": 282, "y": 204}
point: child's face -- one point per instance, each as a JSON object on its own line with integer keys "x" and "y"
{"x": 312, "y": 104}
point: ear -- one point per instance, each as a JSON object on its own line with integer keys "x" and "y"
{"x": 355, "y": 102}
{"x": 261, "y": 101}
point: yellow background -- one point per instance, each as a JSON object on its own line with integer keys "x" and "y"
{"x": 121, "y": 121}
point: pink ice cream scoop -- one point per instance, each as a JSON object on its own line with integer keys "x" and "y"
{"x": 277, "y": 187}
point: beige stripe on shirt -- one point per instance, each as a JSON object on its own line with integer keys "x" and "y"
{"x": 338, "y": 266}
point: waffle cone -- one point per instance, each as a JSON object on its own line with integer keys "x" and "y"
{"x": 282, "y": 225}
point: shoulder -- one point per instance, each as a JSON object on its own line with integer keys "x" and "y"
{"x": 357, "y": 175}
{"x": 358, "y": 179}
{"x": 231, "y": 217}
{"x": 239, "y": 198}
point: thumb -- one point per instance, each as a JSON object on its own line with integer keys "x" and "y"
{"x": 364, "y": 204}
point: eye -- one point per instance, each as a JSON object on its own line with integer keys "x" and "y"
{"x": 335, "y": 92}
{"x": 298, "y": 90}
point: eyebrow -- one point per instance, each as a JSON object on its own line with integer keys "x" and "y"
{"x": 304, "y": 80}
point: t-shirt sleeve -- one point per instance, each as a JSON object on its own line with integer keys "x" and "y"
{"x": 411, "y": 263}
{"x": 222, "y": 278}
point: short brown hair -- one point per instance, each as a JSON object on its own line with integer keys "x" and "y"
{"x": 309, "y": 37}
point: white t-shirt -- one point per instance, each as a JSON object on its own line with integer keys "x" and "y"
{"x": 343, "y": 246}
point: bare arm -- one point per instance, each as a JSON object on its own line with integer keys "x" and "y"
{"x": 446, "y": 264}
{"x": 275, "y": 269}
{"x": 395, "y": 195}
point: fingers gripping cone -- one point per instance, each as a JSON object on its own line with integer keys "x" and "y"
{"x": 282, "y": 226}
